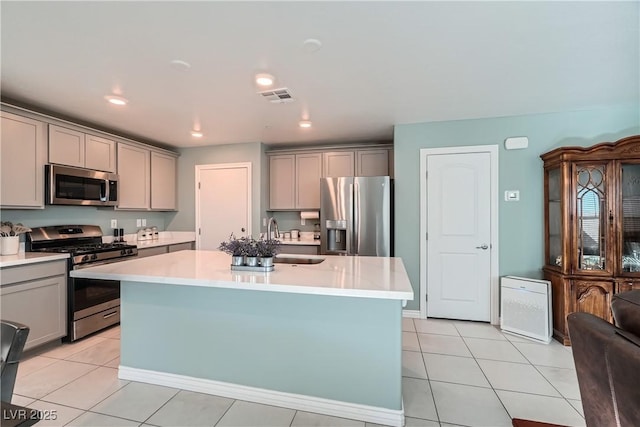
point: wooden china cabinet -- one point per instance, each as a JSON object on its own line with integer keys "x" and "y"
{"x": 592, "y": 227}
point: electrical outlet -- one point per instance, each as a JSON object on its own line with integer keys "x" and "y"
{"x": 114, "y": 223}
{"x": 303, "y": 221}
{"x": 144, "y": 222}
{"x": 264, "y": 222}
{"x": 138, "y": 222}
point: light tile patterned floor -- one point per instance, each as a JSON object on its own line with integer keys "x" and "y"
{"x": 454, "y": 374}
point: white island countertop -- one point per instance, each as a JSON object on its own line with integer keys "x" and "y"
{"x": 366, "y": 277}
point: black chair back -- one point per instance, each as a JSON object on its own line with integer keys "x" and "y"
{"x": 13, "y": 336}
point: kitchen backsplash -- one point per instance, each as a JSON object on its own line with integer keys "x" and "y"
{"x": 291, "y": 220}
{"x": 59, "y": 215}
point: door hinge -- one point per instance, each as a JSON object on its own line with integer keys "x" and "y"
{"x": 426, "y": 236}
{"x": 199, "y": 232}
{"x": 198, "y": 186}
{"x": 426, "y": 174}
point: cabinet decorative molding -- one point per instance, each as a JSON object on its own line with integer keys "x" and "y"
{"x": 592, "y": 227}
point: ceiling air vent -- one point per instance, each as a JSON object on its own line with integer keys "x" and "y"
{"x": 277, "y": 95}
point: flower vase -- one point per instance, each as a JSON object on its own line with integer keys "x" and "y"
{"x": 237, "y": 260}
{"x": 266, "y": 261}
{"x": 252, "y": 261}
{"x": 9, "y": 245}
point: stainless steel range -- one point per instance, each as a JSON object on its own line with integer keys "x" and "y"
{"x": 92, "y": 304}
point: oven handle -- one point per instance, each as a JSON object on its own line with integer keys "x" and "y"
{"x": 106, "y": 316}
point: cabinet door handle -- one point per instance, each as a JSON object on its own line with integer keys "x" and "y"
{"x": 483, "y": 247}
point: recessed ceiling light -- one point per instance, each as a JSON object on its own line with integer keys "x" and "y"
{"x": 264, "y": 79}
{"x": 116, "y": 100}
{"x": 180, "y": 65}
{"x": 196, "y": 134}
{"x": 311, "y": 45}
{"x": 304, "y": 123}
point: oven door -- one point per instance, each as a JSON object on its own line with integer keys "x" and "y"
{"x": 94, "y": 304}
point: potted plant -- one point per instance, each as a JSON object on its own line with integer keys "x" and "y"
{"x": 267, "y": 250}
{"x": 251, "y": 253}
{"x": 235, "y": 248}
{"x": 10, "y": 237}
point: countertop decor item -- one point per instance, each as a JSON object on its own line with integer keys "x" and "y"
{"x": 10, "y": 237}
{"x": 249, "y": 254}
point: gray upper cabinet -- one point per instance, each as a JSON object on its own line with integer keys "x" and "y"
{"x": 365, "y": 162}
{"x": 282, "y": 178}
{"x": 23, "y": 153}
{"x": 147, "y": 179}
{"x": 372, "y": 162}
{"x": 74, "y": 148}
{"x": 134, "y": 182}
{"x": 294, "y": 181}
{"x": 99, "y": 153}
{"x": 308, "y": 174}
{"x": 163, "y": 182}
{"x": 338, "y": 163}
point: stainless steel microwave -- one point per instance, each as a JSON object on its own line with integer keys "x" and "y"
{"x": 74, "y": 186}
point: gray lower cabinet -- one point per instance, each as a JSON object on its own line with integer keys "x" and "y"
{"x": 181, "y": 247}
{"x": 36, "y": 295}
{"x": 145, "y": 252}
{"x": 159, "y": 250}
{"x": 300, "y": 249}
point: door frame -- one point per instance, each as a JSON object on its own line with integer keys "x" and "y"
{"x": 198, "y": 171}
{"x": 495, "y": 279}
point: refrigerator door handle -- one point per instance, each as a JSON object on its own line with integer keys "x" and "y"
{"x": 349, "y": 230}
{"x": 356, "y": 218}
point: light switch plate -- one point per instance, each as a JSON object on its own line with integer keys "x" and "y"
{"x": 114, "y": 223}
{"x": 512, "y": 195}
{"x": 144, "y": 222}
{"x": 138, "y": 222}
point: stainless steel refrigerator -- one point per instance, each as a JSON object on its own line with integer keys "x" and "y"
{"x": 355, "y": 216}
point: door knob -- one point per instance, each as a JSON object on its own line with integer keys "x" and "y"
{"x": 483, "y": 247}
{"x": 242, "y": 229}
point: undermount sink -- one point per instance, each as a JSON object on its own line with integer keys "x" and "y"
{"x": 296, "y": 260}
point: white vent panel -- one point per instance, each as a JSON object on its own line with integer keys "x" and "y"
{"x": 525, "y": 305}
{"x": 277, "y": 95}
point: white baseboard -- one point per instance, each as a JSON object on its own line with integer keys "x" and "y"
{"x": 411, "y": 313}
{"x": 336, "y": 408}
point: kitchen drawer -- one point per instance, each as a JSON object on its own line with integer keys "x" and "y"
{"x": 25, "y": 273}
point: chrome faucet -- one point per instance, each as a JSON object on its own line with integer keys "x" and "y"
{"x": 272, "y": 221}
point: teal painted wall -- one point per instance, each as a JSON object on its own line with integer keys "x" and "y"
{"x": 520, "y": 231}
{"x": 339, "y": 348}
{"x": 59, "y": 215}
{"x": 185, "y": 219}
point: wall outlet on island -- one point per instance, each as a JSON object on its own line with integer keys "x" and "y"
{"x": 114, "y": 223}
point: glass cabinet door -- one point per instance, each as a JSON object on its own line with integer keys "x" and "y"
{"x": 591, "y": 216}
{"x": 630, "y": 225}
{"x": 554, "y": 210}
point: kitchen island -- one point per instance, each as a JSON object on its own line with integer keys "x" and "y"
{"x": 323, "y": 338}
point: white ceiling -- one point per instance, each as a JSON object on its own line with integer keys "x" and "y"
{"x": 381, "y": 64}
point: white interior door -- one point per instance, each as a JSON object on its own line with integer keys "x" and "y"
{"x": 459, "y": 242}
{"x": 223, "y": 203}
